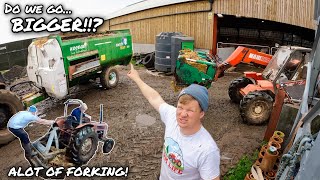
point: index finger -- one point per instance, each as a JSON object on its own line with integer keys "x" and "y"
{"x": 131, "y": 66}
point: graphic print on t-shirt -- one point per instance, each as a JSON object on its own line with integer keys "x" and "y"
{"x": 172, "y": 155}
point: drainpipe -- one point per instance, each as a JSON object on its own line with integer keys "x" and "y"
{"x": 214, "y": 35}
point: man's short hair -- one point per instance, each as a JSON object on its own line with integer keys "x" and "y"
{"x": 185, "y": 99}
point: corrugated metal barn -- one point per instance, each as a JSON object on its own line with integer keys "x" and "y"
{"x": 262, "y": 22}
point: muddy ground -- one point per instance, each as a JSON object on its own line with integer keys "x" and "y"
{"x": 139, "y": 141}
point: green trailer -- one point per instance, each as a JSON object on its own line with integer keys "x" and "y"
{"x": 58, "y": 62}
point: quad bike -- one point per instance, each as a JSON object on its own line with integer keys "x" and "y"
{"x": 256, "y": 91}
{"x": 77, "y": 143}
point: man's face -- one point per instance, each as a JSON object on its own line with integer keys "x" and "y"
{"x": 189, "y": 114}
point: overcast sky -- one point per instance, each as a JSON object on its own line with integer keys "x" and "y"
{"x": 79, "y": 8}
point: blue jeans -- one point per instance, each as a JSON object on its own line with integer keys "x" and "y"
{"x": 21, "y": 134}
{"x": 25, "y": 141}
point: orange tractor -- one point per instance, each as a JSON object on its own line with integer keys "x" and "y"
{"x": 256, "y": 91}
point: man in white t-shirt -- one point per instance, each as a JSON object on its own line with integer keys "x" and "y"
{"x": 189, "y": 151}
{"x": 19, "y": 121}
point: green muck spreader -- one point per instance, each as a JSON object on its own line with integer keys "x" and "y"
{"x": 56, "y": 63}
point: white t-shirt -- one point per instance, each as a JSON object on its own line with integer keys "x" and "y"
{"x": 187, "y": 157}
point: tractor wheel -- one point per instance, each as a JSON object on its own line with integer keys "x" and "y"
{"x": 235, "y": 86}
{"x": 109, "y": 78}
{"x": 83, "y": 146}
{"x": 256, "y": 107}
{"x": 108, "y": 146}
{"x": 9, "y": 105}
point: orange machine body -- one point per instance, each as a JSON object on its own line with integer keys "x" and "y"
{"x": 247, "y": 55}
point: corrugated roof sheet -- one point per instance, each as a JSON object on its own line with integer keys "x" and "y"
{"x": 143, "y": 5}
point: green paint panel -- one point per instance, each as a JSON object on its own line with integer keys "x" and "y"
{"x": 187, "y": 45}
{"x": 82, "y": 55}
{"x": 113, "y": 48}
{"x": 34, "y": 99}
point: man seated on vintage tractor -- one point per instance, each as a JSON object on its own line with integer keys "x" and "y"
{"x": 74, "y": 119}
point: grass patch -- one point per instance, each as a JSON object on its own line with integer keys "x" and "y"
{"x": 134, "y": 63}
{"x": 264, "y": 142}
{"x": 242, "y": 168}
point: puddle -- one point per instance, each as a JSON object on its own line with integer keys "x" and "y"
{"x": 145, "y": 120}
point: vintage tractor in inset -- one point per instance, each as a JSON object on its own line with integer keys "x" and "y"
{"x": 256, "y": 91}
{"x": 78, "y": 142}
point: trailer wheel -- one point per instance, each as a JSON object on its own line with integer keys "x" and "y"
{"x": 109, "y": 77}
{"x": 83, "y": 146}
{"x": 235, "y": 86}
{"x": 9, "y": 105}
{"x": 256, "y": 107}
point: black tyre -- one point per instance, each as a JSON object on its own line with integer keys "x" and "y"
{"x": 83, "y": 146}
{"x": 148, "y": 61}
{"x": 108, "y": 146}
{"x": 109, "y": 78}
{"x": 9, "y": 105}
{"x": 256, "y": 107}
{"x": 235, "y": 86}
